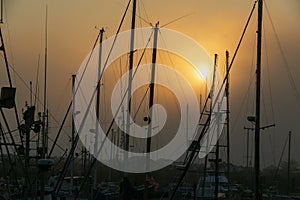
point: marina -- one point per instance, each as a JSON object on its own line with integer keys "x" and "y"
{"x": 148, "y": 112}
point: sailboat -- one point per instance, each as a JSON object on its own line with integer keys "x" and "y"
{"x": 24, "y": 155}
{"x": 217, "y": 178}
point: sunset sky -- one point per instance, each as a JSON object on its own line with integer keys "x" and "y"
{"x": 217, "y": 25}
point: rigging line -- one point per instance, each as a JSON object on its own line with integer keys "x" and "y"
{"x": 12, "y": 131}
{"x": 10, "y": 81}
{"x": 176, "y": 75}
{"x": 86, "y": 65}
{"x": 113, "y": 44}
{"x": 52, "y": 140}
{"x": 35, "y": 136}
{"x": 251, "y": 77}
{"x": 145, "y": 11}
{"x": 167, "y": 76}
{"x": 27, "y": 87}
{"x": 59, "y": 131}
{"x": 142, "y": 33}
{"x": 14, "y": 146}
{"x": 267, "y": 130}
{"x": 177, "y": 19}
{"x": 72, "y": 150}
{"x": 144, "y": 20}
{"x": 236, "y": 51}
{"x": 269, "y": 77}
{"x": 12, "y": 166}
{"x": 4, "y": 168}
{"x": 37, "y": 81}
{"x": 115, "y": 71}
{"x": 193, "y": 153}
{"x": 112, "y": 122}
{"x": 279, "y": 162}
{"x": 271, "y": 100}
{"x": 67, "y": 163}
{"x": 138, "y": 64}
{"x": 242, "y": 104}
{"x": 8, "y": 34}
{"x": 57, "y": 165}
{"x": 219, "y": 92}
{"x": 286, "y": 64}
{"x": 140, "y": 104}
{"x": 139, "y": 11}
{"x": 170, "y": 79}
{"x": 267, "y": 119}
{"x": 61, "y": 96}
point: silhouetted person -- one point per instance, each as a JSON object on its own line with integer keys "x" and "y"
{"x": 126, "y": 189}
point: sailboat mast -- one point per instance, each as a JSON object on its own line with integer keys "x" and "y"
{"x": 44, "y": 138}
{"x": 227, "y": 119}
{"x": 151, "y": 100}
{"x": 257, "y": 112}
{"x": 130, "y": 80}
{"x": 151, "y": 95}
{"x": 98, "y": 108}
{"x": 73, "y": 131}
{"x": 44, "y": 123}
{"x": 218, "y": 132}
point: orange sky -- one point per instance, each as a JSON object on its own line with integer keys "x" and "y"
{"x": 216, "y": 25}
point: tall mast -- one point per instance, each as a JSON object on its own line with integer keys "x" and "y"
{"x": 218, "y": 132}
{"x": 257, "y": 113}
{"x": 151, "y": 95}
{"x": 227, "y": 119}
{"x": 44, "y": 124}
{"x": 210, "y": 96}
{"x": 44, "y": 137}
{"x": 130, "y": 80}
{"x": 151, "y": 100}
{"x": 98, "y": 107}
{"x": 73, "y": 131}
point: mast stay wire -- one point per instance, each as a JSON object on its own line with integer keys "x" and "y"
{"x": 28, "y": 88}
{"x": 280, "y": 159}
{"x": 177, "y": 19}
{"x": 267, "y": 119}
{"x": 111, "y": 124}
{"x": 143, "y": 6}
{"x": 250, "y": 98}
{"x": 271, "y": 136}
{"x": 37, "y": 82}
{"x": 63, "y": 173}
{"x": 141, "y": 18}
{"x": 247, "y": 98}
{"x": 214, "y": 104}
{"x": 67, "y": 163}
{"x": 19, "y": 76}
{"x": 88, "y": 60}
{"x": 173, "y": 65}
{"x": 286, "y": 64}
{"x": 251, "y": 79}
